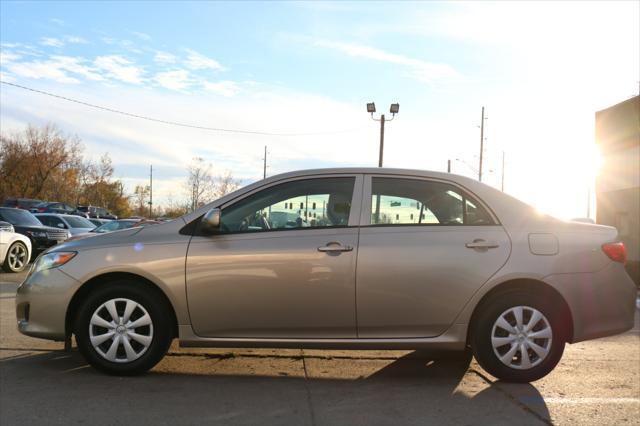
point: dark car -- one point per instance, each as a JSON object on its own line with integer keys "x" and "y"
{"x": 97, "y": 212}
{"x": 42, "y": 237}
{"x": 20, "y": 203}
{"x": 55, "y": 207}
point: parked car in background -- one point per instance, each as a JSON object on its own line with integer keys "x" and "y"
{"x": 15, "y": 249}
{"x": 20, "y": 203}
{"x": 377, "y": 259}
{"x": 74, "y": 224}
{"x": 98, "y": 222}
{"x": 115, "y": 225}
{"x": 42, "y": 237}
{"x": 97, "y": 212}
{"x": 55, "y": 207}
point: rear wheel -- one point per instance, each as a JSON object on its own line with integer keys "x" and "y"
{"x": 123, "y": 328}
{"x": 517, "y": 337}
{"x": 17, "y": 257}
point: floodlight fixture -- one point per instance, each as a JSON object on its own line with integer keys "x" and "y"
{"x": 371, "y": 107}
{"x": 394, "y": 108}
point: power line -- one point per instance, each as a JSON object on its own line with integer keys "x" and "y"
{"x": 172, "y": 123}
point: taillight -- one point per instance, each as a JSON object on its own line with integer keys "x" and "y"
{"x": 615, "y": 251}
{"x": 41, "y": 209}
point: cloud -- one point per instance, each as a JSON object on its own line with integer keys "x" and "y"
{"x": 174, "y": 80}
{"x": 56, "y": 68}
{"x": 57, "y": 21}
{"x": 141, "y": 36}
{"x": 197, "y": 61}
{"x": 7, "y": 57}
{"x": 51, "y": 41}
{"x": 164, "y": 58}
{"x": 120, "y": 68}
{"x": 50, "y": 70}
{"x": 422, "y": 70}
{"x": 225, "y": 88}
{"x": 76, "y": 65}
{"x": 75, "y": 40}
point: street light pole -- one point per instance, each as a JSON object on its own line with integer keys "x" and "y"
{"x": 371, "y": 108}
{"x": 381, "y": 140}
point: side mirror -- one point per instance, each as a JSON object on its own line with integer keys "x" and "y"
{"x": 211, "y": 221}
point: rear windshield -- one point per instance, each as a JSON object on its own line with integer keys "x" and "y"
{"x": 79, "y": 222}
{"x": 19, "y": 217}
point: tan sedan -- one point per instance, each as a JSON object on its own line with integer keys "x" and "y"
{"x": 339, "y": 258}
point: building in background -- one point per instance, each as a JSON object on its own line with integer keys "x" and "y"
{"x": 618, "y": 184}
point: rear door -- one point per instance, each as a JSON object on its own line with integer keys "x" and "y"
{"x": 425, "y": 247}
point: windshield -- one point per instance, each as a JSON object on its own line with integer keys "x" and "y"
{"x": 114, "y": 226}
{"x": 19, "y": 217}
{"x": 79, "y": 222}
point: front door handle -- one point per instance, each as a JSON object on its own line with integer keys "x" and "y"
{"x": 481, "y": 244}
{"x": 333, "y": 247}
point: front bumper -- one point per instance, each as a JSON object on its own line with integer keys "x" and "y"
{"x": 40, "y": 244}
{"x": 602, "y": 303}
{"x": 42, "y": 301}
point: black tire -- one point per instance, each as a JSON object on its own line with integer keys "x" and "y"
{"x": 151, "y": 301}
{"x": 488, "y": 314}
{"x": 6, "y": 266}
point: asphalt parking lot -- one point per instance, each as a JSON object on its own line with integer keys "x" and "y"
{"x": 597, "y": 382}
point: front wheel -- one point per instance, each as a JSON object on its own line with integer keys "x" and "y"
{"x": 517, "y": 337}
{"x": 122, "y": 328}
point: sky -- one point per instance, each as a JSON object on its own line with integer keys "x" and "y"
{"x": 303, "y": 72}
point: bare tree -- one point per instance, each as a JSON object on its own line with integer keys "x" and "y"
{"x": 225, "y": 184}
{"x": 200, "y": 183}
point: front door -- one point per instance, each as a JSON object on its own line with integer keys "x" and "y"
{"x": 426, "y": 246}
{"x": 282, "y": 264}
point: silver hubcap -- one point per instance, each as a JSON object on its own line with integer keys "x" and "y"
{"x": 521, "y": 337}
{"x": 17, "y": 257}
{"x": 121, "y": 330}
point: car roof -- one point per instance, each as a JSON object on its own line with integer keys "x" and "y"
{"x": 56, "y": 214}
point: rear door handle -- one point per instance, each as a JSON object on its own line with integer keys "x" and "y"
{"x": 333, "y": 247}
{"x": 481, "y": 244}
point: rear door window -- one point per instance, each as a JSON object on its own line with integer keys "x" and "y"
{"x": 396, "y": 201}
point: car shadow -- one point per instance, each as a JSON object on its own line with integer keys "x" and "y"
{"x": 418, "y": 388}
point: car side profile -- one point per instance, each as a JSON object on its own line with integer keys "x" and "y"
{"x": 350, "y": 258}
{"x": 72, "y": 223}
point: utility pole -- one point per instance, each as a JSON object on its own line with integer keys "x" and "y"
{"x": 448, "y": 166}
{"x": 481, "y": 145}
{"x": 264, "y": 168}
{"x": 151, "y": 191}
{"x": 502, "y": 186}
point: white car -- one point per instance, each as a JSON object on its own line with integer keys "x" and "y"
{"x": 15, "y": 249}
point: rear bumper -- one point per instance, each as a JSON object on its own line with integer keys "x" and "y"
{"x": 41, "y": 304}
{"x": 602, "y": 303}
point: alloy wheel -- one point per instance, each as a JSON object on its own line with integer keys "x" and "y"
{"x": 521, "y": 337}
{"x": 121, "y": 330}
{"x": 17, "y": 257}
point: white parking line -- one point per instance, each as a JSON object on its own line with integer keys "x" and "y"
{"x": 588, "y": 400}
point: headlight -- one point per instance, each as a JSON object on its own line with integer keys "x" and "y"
{"x": 52, "y": 260}
{"x": 37, "y": 234}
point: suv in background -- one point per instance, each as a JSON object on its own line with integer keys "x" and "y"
{"x": 20, "y": 203}
{"x": 55, "y": 207}
{"x": 97, "y": 212}
{"x": 41, "y": 237}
